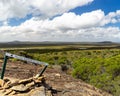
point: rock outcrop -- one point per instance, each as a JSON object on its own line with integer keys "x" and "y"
{"x": 54, "y": 82}
{"x": 26, "y": 87}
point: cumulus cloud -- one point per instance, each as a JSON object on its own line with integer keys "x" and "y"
{"x": 67, "y": 27}
{"x": 54, "y": 7}
{"x": 71, "y": 21}
{"x": 112, "y": 17}
{"x": 43, "y": 8}
{"x": 12, "y": 9}
{"x": 88, "y": 34}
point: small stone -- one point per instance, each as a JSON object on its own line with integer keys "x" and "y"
{"x": 2, "y": 82}
{"x": 39, "y": 79}
{"x": 25, "y": 81}
{"x": 14, "y": 83}
{"x": 12, "y": 93}
{"x": 57, "y": 75}
{"x": 7, "y": 85}
{"x": 8, "y": 92}
{"x": 37, "y": 76}
{"x": 30, "y": 84}
{"x": 20, "y": 88}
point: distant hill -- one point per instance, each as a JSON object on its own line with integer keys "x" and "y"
{"x": 108, "y": 42}
{"x": 18, "y": 44}
{"x": 55, "y": 42}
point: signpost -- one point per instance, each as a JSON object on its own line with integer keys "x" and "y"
{"x": 7, "y": 55}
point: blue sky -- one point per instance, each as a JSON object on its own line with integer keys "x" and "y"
{"x": 105, "y": 5}
{"x": 60, "y": 20}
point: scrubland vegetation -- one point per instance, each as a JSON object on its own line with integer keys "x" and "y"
{"x": 100, "y": 68}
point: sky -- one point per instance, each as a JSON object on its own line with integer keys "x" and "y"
{"x": 60, "y": 20}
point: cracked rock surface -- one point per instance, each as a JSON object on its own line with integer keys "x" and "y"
{"x": 20, "y": 80}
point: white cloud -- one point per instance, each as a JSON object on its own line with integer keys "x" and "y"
{"x": 12, "y": 9}
{"x": 33, "y": 34}
{"x": 88, "y": 26}
{"x": 43, "y": 8}
{"x": 68, "y": 27}
{"x": 71, "y": 20}
{"x": 54, "y": 7}
{"x": 112, "y": 17}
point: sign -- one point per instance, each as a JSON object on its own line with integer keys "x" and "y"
{"x": 25, "y": 59}
{"x": 7, "y": 55}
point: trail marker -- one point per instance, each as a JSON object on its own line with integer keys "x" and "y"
{"x": 8, "y": 55}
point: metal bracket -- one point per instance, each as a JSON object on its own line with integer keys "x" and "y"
{"x": 7, "y": 55}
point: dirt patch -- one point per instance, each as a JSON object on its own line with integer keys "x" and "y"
{"x": 57, "y": 81}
